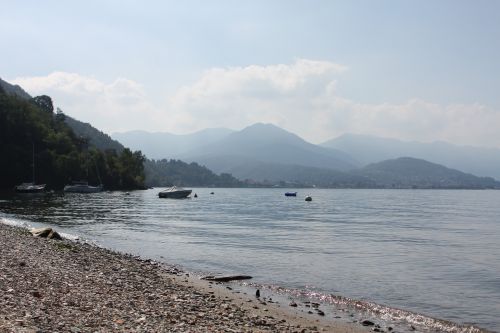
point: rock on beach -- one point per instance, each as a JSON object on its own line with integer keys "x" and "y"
{"x": 46, "y": 233}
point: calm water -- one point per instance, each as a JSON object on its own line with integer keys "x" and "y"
{"x": 428, "y": 251}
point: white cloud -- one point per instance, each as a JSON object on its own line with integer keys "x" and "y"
{"x": 237, "y": 97}
{"x": 301, "y": 97}
{"x": 416, "y": 119}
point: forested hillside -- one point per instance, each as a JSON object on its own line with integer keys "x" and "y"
{"x": 98, "y": 139}
{"x": 175, "y": 172}
{"x": 60, "y": 155}
{"x": 408, "y": 172}
{"x": 13, "y": 90}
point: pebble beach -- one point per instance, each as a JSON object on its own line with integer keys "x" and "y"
{"x": 49, "y": 285}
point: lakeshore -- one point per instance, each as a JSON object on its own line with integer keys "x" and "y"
{"x": 66, "y": 286}
{"x": 357, "y": 266}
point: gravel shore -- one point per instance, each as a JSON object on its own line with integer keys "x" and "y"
{"x": 62, "y": 286}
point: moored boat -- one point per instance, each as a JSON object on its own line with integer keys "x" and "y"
{"x": 175, "y": 192}
{"x": 82, "y": 187}
{"x": 30, "y": 188}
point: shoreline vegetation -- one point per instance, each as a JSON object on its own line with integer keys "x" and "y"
{"x": 52, "y": 285}
{"x": 31, "y": 132}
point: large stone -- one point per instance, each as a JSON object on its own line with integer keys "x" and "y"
{"x": 46, "y": 233}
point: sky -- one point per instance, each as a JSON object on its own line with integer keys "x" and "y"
{"x": 416, "y": 70}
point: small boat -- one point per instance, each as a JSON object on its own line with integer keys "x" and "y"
{"x": 290, "y": 194}
{"x": 309, "y": 198}
{"x": 82, "y": 187}
{"x": 30, "y": 188}
{"x": 175, "y": 192}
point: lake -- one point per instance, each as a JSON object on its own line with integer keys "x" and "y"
{"x": 431, "y": 252}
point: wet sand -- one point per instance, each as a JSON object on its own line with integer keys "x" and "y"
{"x": 64, "y": 286}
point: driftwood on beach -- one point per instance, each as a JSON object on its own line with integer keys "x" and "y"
{"x": 227, "y": 278}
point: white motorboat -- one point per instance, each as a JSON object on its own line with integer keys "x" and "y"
{"x": 175, "y": 192}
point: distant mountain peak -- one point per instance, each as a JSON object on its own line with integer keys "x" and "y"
{"x": 264, "y": 127}
{"x": 159, "y": 145}
{"x": 406, "y": 161}
{"x": 269, "y": 144}
{"x": 268, "y": 133}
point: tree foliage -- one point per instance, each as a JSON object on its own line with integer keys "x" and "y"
{"x": 44, "y": 102}
{"x": 60, "y": 155}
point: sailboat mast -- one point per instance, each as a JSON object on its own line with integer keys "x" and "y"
{"x": 33, "y": 163}
{"x": 87, "y": 164}
{"x": 97, "y": 172}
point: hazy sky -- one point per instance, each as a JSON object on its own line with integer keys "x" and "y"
{"x": 415, "y": 70}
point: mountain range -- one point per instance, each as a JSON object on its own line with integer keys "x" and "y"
{"x": 160, "y": 145}
{"x": 267, "y": 154}
{"x": 268, "y": 144}
{"x": 261, "y": 152}
{"x": 371, "y": 149}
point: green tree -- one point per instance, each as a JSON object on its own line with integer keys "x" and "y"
{"x": 44, "y": 102}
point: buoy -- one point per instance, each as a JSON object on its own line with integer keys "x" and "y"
{"x": 308, "y": 198}
{"x": 196, "y": 195}
{"x": 211, "y": 192}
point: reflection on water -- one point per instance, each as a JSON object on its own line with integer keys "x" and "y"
{"x": 429, "y": 251}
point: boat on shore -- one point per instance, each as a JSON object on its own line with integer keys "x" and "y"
{"x": 82, "y": 187}
{"x": 290, "y": 194}
{"x": 175, "y": 192}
